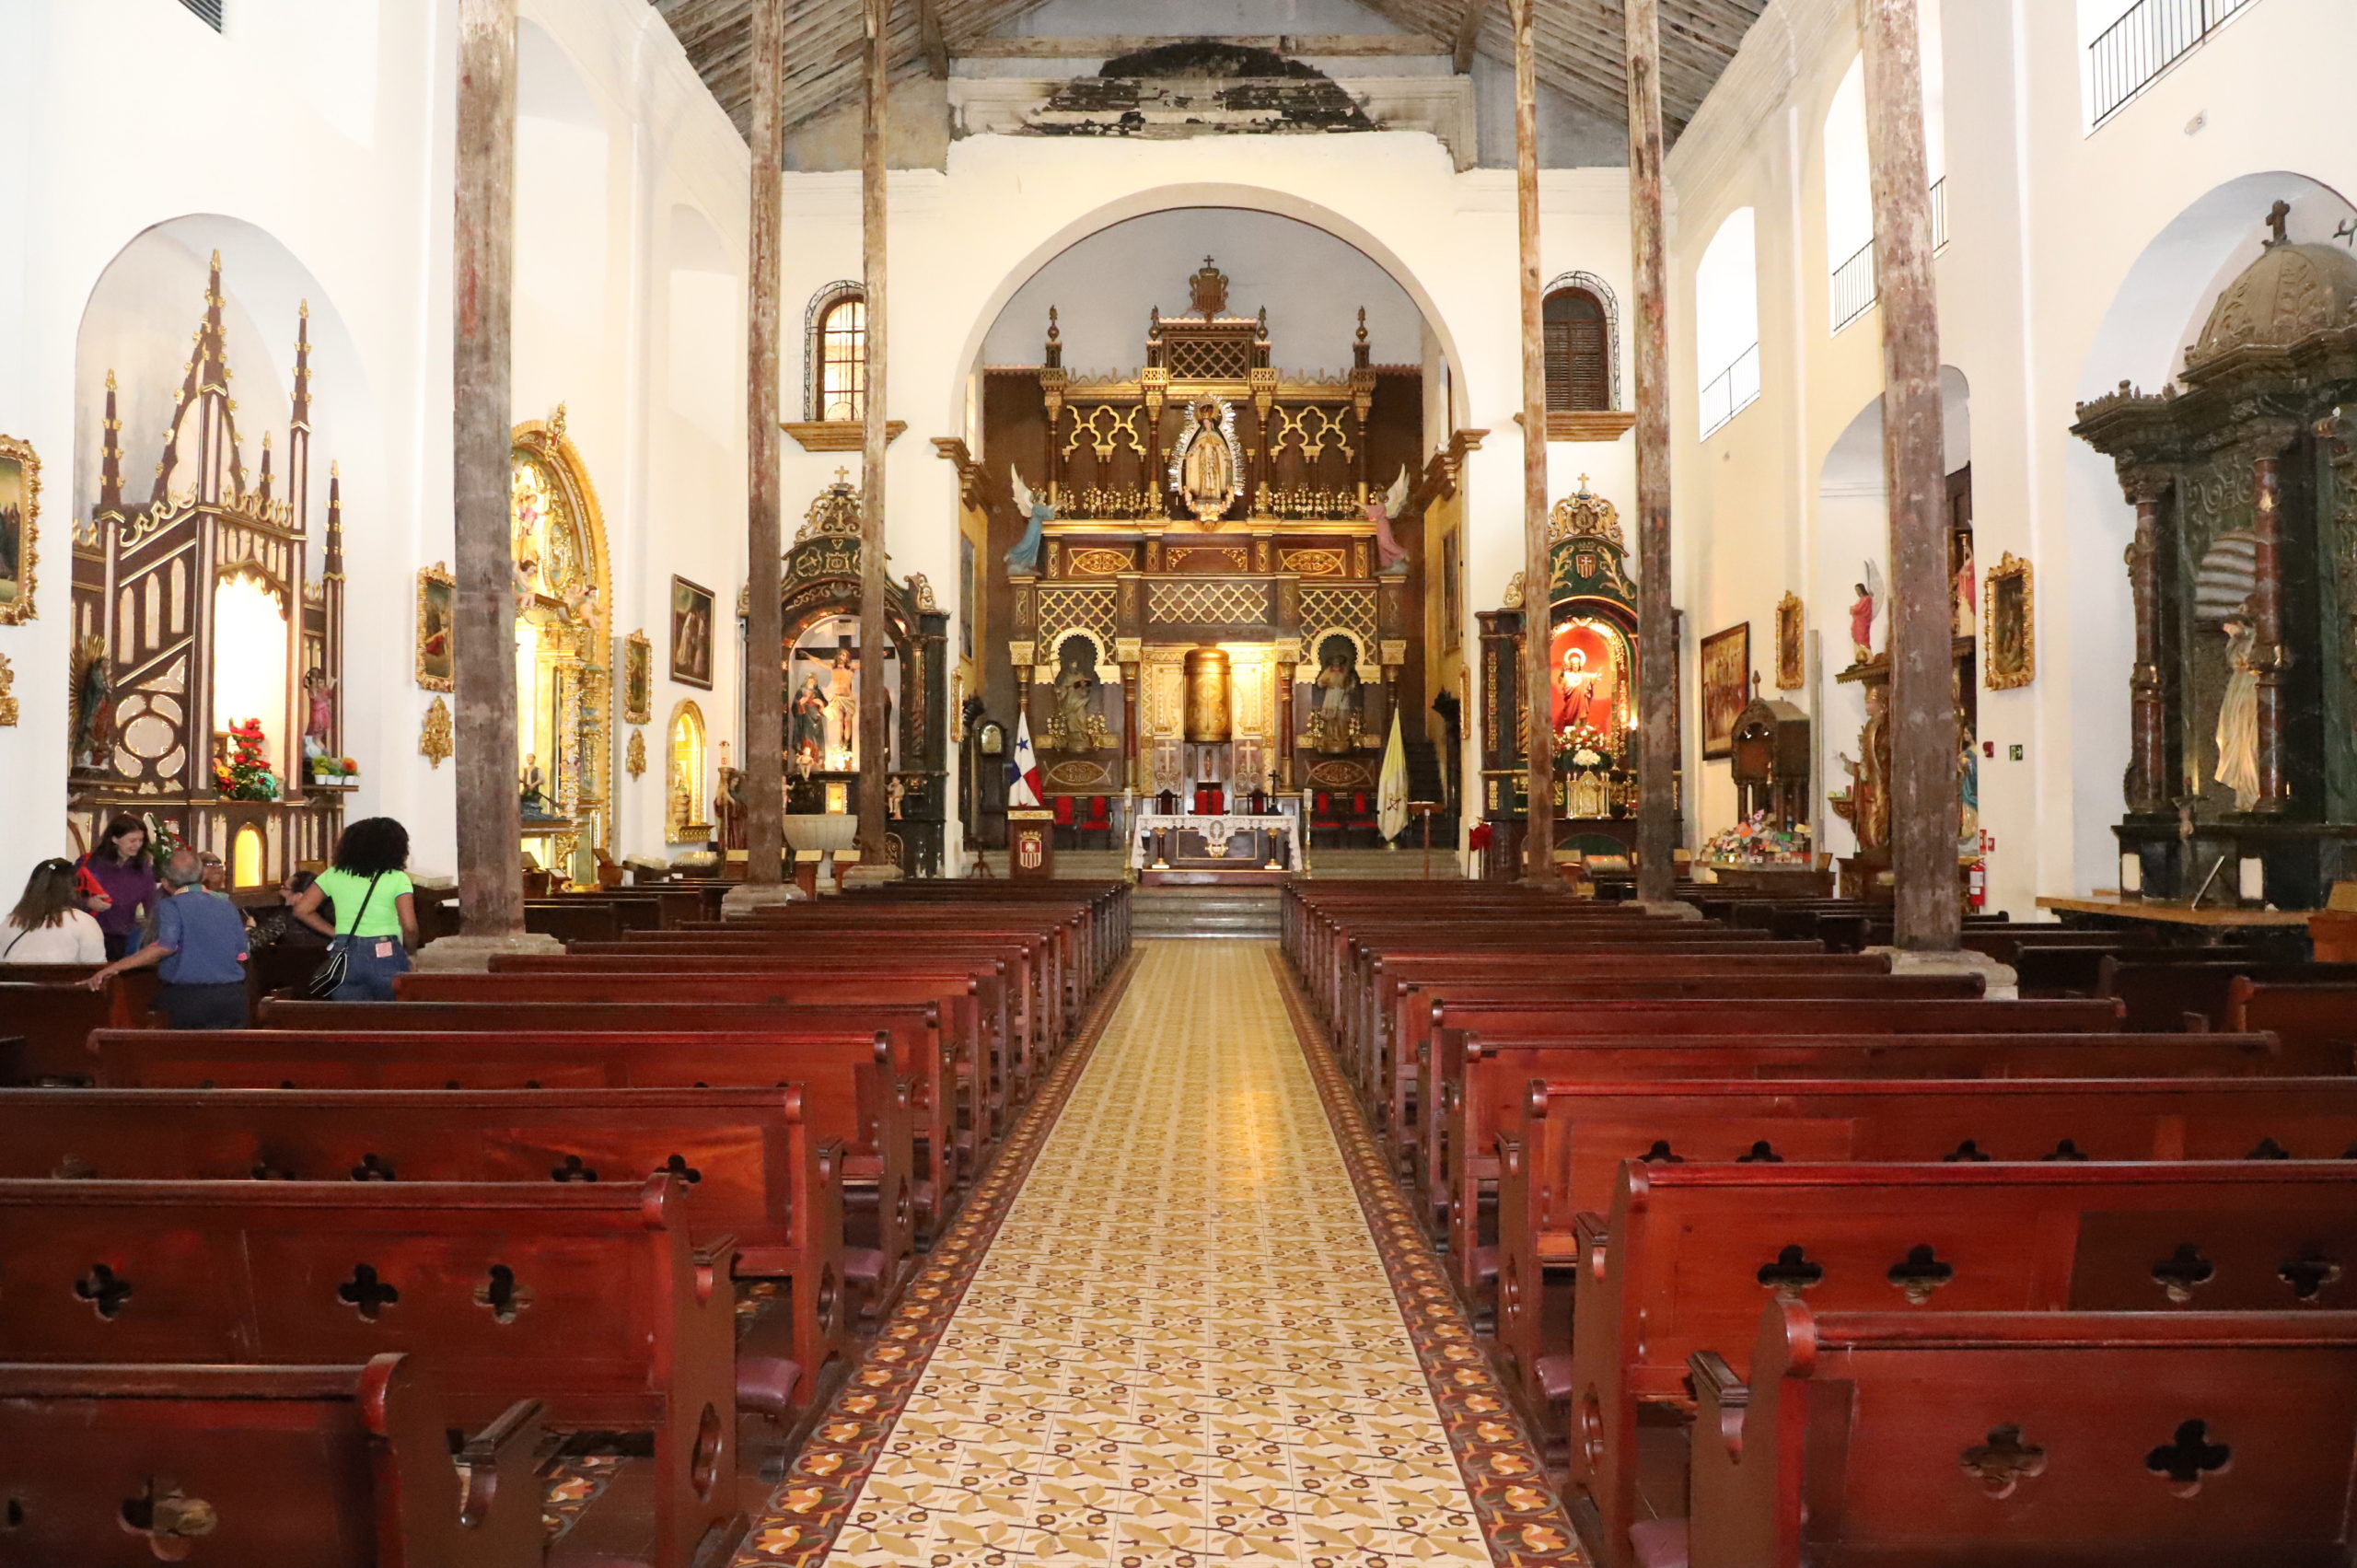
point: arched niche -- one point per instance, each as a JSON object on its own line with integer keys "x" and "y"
{"x": 687, "y": 775}
{"x": 564, "y": 629}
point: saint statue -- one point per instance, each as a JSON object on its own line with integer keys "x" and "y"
{"x": 1862, "y": 624}
{"x": 728, "y": 807}
{"x": 1207, "y": 471}
{"x": 807, "y": 736}
{"x": 318, "y": 725}
{"x": 1334, "y": 723}
{"x": 531, "y": 787}
{"x": 1038, "y": 514}
{"x": 1578, "y": 700}
{"x": 1392, "y": 557}
{"x": 1968, "y": 611}
{"x": 2238, "y": 715}
{"x": 1076, "y": 726}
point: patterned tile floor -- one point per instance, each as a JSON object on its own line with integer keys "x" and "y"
{"x": 1182, "y": 1346}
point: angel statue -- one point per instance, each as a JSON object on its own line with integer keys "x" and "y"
{"x": 1861, "y": 614}
{"x": 1025, "y": 556}
{"x": 1391, "y": 560}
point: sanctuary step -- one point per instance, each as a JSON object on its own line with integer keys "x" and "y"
{"x": 1404, "y": 863}
{"x": 1248, "y": 913}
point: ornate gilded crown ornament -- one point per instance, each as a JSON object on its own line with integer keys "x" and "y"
{"x": 835, "y": 513}
{"x": 1584, "y": 514}
{"x": 1207, "y": 290}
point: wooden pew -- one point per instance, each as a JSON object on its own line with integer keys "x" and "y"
{"x": 2318, "y": 1019}
{"x": 1561, "y": 1157}
{"x": 2199, "y": 1440}
{"x": 296, "y": 1466}
{"x": 758, "y": 1177}
{"x": 911, "y": 1033}
{"x": 2195, "y": 991}
{"x": 586, "y": 1298}
{"x": 53, "y": 1012}
{"x": 1693, "y": 1252}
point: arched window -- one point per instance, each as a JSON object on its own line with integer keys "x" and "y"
{"x": 1726, "y": 321}
{"x": 835, "y": 358}
{"x": 1582, "y": 362}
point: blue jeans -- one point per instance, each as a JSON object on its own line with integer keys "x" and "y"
{"x": 367, "y": 977}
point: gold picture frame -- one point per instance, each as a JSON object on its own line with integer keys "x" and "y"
{"x": 692, "y": 632}
{"x": 1791, "y": 643}
{"x": 437, "y": 604}
{"x": 19, "y": 529}
{"x": 1725, "y": 660}
{"x": 2009, "y": 625}
{"x": 638, "y": 679}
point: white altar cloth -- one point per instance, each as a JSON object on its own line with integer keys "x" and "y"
{"x": 1217, "y": 829}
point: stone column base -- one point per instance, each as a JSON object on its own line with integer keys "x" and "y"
{"x": 747, "y": 897}
{"x": 462, "y": 955}
{"x": 1673, "y": 909}
{"x": 866, "y": 875}
{"x": 2003, "y": 984}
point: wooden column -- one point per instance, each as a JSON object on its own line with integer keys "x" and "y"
{"x": 1539, "y": 757}
{"x": 2148, "y": 779}
{"x": 1656, "y": 628}
{"x": 2266, "y": 628}
{"x": 1924, "y": 796}
{"x": 764, "y": 634}
{"x": 874, "y": 744}
{"x": 489, "y": 815}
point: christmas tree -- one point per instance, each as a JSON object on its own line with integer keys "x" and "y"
{"x": 244, "y": 774}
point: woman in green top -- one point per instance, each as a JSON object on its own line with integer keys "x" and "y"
{"x": 375, "y": 913}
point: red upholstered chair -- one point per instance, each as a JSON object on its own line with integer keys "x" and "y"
{"x": 1362, "y": 817}
{"x": 1099, "y": 821}
{"x": 1062, "y": 806}
{"x": 1323, "y": 817}
{"x": 1206, "y": 801}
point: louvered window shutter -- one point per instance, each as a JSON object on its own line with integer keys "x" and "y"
{"x": 1578, "y": 353}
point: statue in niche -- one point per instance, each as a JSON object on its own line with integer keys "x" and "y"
{"x": 1334, "y": 722}
{"x": 319, "y": 724}
{"x": 1862, "y": 615}
{"x": 1390, "y": 556}
{"x": 1038, "y": 514}
{"x": 2238, "y": 713}
{"x": 532, "y": 789}
{"x": 1206, "y": 462}
{"x": 807, "y": 734}
{"x": 1076, "y": 726}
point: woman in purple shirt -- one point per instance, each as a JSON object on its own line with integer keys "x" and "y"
{"x": 119, "y": 865}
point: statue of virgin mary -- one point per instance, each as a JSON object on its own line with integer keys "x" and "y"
{"x": 1207, "y": 471}
{"x": 2238, "y": 716}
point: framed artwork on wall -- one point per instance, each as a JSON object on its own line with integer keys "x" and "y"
{"x": 1726, "y": 687}
{"x": 691, "y": 633}
{"x": 2012, "y": 633}
{"x": 1792, "y": 643}
{"x": 638, "y": 679}
{"x": 20, "y": 517}
{"x": 436, "y": 606}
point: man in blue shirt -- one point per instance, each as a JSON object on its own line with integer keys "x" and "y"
{"x": 199, "y": 952}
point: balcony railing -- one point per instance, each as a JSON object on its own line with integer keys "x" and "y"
{"x": 2135, "y": 51}
{"x": 1731, "y": 391}
{"x": 1853, "y": 287}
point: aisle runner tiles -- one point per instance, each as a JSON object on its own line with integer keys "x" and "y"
{"x": 1181, "y": 1347}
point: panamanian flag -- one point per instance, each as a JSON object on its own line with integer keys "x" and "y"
{"x": 1023, "y": 768}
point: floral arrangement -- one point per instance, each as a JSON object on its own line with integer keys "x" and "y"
{"x": 1584, "y": 745}
{"x": 330, "y": 770}
{"x": 1757, "y": 842}
{"x": 161, "y": 840}
{"x": 244, "y": 774}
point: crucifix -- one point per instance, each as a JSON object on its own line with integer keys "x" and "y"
{"x": 822, "y": 727}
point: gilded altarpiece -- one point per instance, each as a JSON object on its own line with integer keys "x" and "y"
{"x": 197, "y": 610}
{"x": 1207, "y": 531}
{"x": 565, "y": 697}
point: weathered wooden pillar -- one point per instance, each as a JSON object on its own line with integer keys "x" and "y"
{"x": 764, "y": 636}
{"x": 490, "y": 814}
{"x": 1538, "y": 756}
{"x": 2267, "y": 652}
{"x": 1924, "y": 797}
{"x": 2148, "y": 779}
{"x": 1656, "y": 628}
{"x": 875, "y": 743}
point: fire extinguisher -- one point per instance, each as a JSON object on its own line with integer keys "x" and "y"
{"x": 1976, "y": 877}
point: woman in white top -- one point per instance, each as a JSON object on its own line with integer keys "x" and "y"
{"x": 48, "y": 925}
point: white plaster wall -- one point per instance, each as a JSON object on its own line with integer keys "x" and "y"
{"x": 965, "y": 241}
{"x": 2042, "y": 301}
{"x": 328, "y": 129}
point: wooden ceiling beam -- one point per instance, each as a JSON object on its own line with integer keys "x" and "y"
{"x": 1113, "y": 47}
{"x": 1468, "y": 42}
{"x": 929, "y": 38}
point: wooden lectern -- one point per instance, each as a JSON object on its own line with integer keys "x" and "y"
{"x": 1030, "y": 844}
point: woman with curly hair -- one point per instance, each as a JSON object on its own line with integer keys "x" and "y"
{"x": 376, "y": 910}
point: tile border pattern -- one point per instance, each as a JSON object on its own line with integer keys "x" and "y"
{"x": 1520, "y": 1515}
{"x": 798, "y": 1526}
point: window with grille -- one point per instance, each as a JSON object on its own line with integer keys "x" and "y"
{"x": 206, "y": 11}
{"x": 1578, "y": 353}
{"x": 842, "y": 360}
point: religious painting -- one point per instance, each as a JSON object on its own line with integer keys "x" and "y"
{"x": 436, "y": 610}
{"x": 2012, "y": 637}
{"x": 1589, "y": 667}
{"x": 1792, "y": 634}
{"x": 825, "y": 686}
{"x": 1726, "y": 687}
{"x": 638, "y": 679}
{"x": 691, "y": 633}
{"x": 1452, "y": 593}
{"x": 19, "y": 512}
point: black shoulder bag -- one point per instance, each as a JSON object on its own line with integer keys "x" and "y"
{"x": 329, "y": 977}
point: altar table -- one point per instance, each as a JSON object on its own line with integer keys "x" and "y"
{"x": 1158, "y": 836}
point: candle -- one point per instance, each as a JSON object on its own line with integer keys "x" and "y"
{"x": 2254, "y": 879}
{"x": 2132, "y": 872}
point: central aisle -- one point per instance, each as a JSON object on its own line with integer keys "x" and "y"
{"x": 1181, "y": 1343}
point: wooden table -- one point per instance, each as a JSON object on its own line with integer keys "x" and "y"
{"x": 2162, "y": 911}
